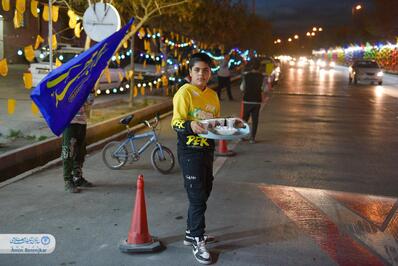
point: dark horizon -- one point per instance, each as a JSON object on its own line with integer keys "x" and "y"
{"x": 292, "y": 16}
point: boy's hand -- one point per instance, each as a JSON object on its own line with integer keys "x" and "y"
{"x": 198, "y": 128}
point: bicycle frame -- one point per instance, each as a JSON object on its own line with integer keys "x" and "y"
{"x": 153, "y": 138}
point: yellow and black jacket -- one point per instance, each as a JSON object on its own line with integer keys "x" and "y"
{"x": 189, "y": 104}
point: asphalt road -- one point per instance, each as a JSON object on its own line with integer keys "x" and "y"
{"x": 318, "y": 188}
{"x": 334, "y": 135}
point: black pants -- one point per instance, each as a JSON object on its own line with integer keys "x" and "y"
{"x": 197, "y": 171}
{"x": 224, "y": 82}
{"x": 73, "y": 150}
{"x": 253, "y": 110}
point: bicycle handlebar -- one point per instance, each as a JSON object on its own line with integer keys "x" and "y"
{"x": 153, "y": 124}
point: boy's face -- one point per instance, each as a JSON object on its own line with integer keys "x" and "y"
{"x": 200, "y": 74}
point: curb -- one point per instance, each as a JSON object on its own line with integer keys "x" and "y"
{"x": 18, "y": 161}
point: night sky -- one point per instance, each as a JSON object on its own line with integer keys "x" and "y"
{"x": 298, "y": 16}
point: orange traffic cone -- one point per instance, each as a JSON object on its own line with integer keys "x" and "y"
{"x": 139, "y": 239}
{"x": 223, "y": 149}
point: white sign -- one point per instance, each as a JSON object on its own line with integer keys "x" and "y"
{"x": 27, "y": 243}
{"x": 100, "y": 21}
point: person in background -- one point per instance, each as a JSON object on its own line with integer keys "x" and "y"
{"x": 253, "y": 86}
{"x": 193, "y": 102}
{"x": 74, "y": 149}
{"x": 224, "y": 77}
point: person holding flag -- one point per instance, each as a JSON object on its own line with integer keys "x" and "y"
{"x": 61, "y": 95}
{"x": 74, "y": 149}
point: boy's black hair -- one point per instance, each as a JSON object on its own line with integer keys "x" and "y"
{"x": 199, "y": 57}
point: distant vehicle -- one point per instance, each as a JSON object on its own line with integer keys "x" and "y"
{"x": 66, "y": 51}
{"x": 41, "y": 69}
{"x": 325, "y": 64}
{"x": 365, "y": 70}
{"x": 302, "y": 62}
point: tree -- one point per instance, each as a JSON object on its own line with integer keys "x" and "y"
{"x": 142, "y": 10}
{"x": 223, "y": 23}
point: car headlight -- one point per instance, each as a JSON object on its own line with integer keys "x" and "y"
{"x": 380, "y": 74}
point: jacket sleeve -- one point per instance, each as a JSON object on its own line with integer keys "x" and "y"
{"x": 180, "y": 122}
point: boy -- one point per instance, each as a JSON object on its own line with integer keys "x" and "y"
{"x": 74, "y": 149}
{"x": 193, "y": 102}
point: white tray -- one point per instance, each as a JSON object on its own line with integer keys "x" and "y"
{"x": 213, "y": 134}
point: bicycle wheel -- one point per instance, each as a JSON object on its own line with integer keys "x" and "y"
{"x": 114, "y": 155}
{"x": 163, "y": 165}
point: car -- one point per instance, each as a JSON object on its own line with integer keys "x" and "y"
{"x": 64, "y": 51}
{"x": 41, "y": 69}
{"x": 365, "y": 70}
{"x": 325, "y": 64}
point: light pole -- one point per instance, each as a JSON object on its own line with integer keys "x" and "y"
{"x": 50, "y": 32}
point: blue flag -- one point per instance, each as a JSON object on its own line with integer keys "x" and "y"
{"x": 61, "y": 94}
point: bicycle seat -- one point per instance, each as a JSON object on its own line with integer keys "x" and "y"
{"x": 126, "y": 120}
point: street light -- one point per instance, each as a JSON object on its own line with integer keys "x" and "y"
{"x": 296, "y": 36}
{"x": 308, "y": 34}
{"x": 356, "y": 9}
{"x": 312, "y": 33}
{"x": 320, "y": 29}
{"x": 289, "y": 40}
{"x": 314, "y": 29}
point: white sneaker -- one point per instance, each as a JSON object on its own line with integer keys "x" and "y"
{"x": 200, "y": 251}
{"x": 188, "y": 240}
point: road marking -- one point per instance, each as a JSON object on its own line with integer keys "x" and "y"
{"x": 365, "y": 227}
{"x": 336, "y": 243}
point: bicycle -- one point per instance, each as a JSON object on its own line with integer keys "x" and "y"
{"x": 115, "y": 154}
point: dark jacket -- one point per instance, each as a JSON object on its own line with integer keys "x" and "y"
{"x": 253, "y": 84}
